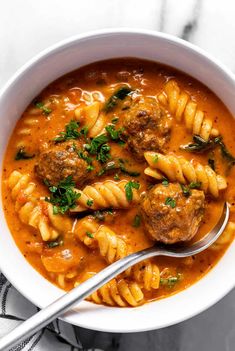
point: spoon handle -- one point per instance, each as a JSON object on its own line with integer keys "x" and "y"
{"x": 61, "y": 305}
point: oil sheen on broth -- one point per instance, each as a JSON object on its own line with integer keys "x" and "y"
{"x": 61, "y": 142}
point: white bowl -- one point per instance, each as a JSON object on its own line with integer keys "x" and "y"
{"x": 26, "y": 84}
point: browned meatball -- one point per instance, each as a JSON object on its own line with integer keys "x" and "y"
{"x": 169, "y": 216}
{"x": 58, "y": 161}
{"x": 147, "y": 127}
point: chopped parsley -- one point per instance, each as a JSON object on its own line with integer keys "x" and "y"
{"x": 170, "y": 202}
{"x": 45, "y": 110}
{"x": 90, "y": 168}
{"x": 187, "y": 189}
{"x": 89, "y": 234}
{"x": 116, "y": 177}
{"x": 63, "y": 196}
{"x": 89, "y": 202}
{"x": 52, "y": 244}
{"x": 137, "y": 221}
{"x": 23, "y": 155}
{"x": 100, "y": 214}
{"x": 129, "y": 189}
{"x": 115, "y": 119}
{"x": 99, "y": 147}
{"x": 165, "y": 182}
{"x": 195, "y": 185}
{"x": 171, "y": 281}
{"x": 114, "y": 134}
{"x": 155, "y": 158}
{"x": 71, "y": 132}
{"x": 120, "y": 94}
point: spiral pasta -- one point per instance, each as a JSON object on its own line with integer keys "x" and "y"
{"x": 118, "y": 292}
{"x": 225, "y": 237}
{"x": 182, "y": 106}
{"x": 110, "y": 246}
{"x": 33, "y": 211}
{"x": 177, "y": 168}
{"x": 93, "y": 119}
{"x": 105, "y": 195}
{"x": 146, "y": 274}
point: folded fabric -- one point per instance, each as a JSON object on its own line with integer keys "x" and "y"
{"x": 14, "y": 309}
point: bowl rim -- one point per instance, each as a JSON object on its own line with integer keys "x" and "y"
{"x": 62, "y": 45}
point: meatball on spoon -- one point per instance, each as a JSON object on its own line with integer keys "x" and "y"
{"x": 71, "y": 298}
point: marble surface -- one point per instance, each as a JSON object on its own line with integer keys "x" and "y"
{"x": 27, "y": 27}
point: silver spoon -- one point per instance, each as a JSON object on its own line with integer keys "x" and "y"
{"x": 61, "y": 305}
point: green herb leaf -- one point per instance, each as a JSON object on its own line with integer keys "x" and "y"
{"x": 199, "y": 145}
{"x": 116, "y": 177}
{"x": 23, "y": 155}
{"x": 115, "y": 120}
{"x": 171, "y": 281}
{"x": 165, "y": 182}
{"x": 63, "y": 196}
{"x": 170, "y": 202}
{"x": 224, "y": 151}
{"x": 129, "y": 189}
{"x": 71, "y": 132}
{"x": 89, "y": 202}
{"x": 186, "y": 190}
{"x": 52, "y": 244}
{"x": 120, "y": 94}
{"x": 155, "y": 159}
{"x": 114, "y": 134}
{"x": 45, "y": 110}
{"x": 137, "y": 221}
{"x": 195, "y": 185}
{"x": 89, "y": 234}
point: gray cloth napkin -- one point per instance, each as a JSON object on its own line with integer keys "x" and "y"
{"x": 14, "y": 309}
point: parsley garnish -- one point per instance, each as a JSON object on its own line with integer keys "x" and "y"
{"x": 129, "y": 189}
{"x": 45, "y": 110}
{"x": 23, "y": 155}
{"x": 99, "y": 147}
{"x": 120, "y": 94}
{"x": 137, "y": 221}
{"x": 115, "y": 119}
{"x": 89, "y": 202}
{"x": 155, "y": 159}
{"x": 165, "y": 182}
{"x": 170, "y": 202}
{"x": 114, "y": 134}
{"x": 195, "y": 185}
{"x": 90, "y": 235}
{"x": 52, "y": 244}
{"x": 186, "y": 190}
{"x": 63, "y": 196}
{"x": 71, "y": 132}
{"x": 116, "y": 176}
{"x": 171, "y": 281}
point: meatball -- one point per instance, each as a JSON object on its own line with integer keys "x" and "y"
{"x": 58, "y": 161}
{"x": 169, "y": 216}
{"x": 147, "y": 127}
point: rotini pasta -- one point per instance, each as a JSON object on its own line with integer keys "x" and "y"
{"x": 110, "y": 246}
{"x": 225, "y": 238}
{"x": 33, "y": 211}
{"x": 146, "y": 274}
{"x": 181, "y": 105}
{"x": 177, "y": 168}
{"x": 105, "y": 195}
{"x": 118, "y": 292}
{"x": 92, "y": 118}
